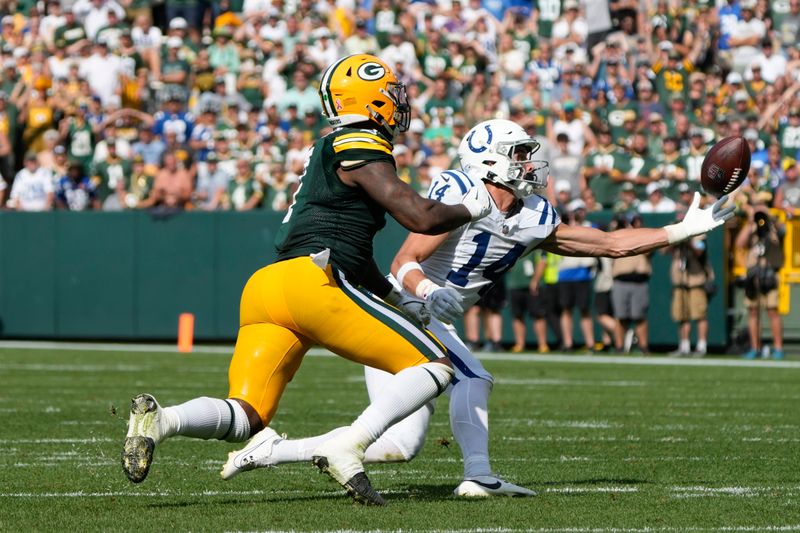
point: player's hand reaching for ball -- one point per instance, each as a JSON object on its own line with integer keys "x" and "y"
{"x": 698, "y": 221}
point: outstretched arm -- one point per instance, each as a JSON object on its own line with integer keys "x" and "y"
{"x": 582, "y": 241}
{"x": 420, "y": 215}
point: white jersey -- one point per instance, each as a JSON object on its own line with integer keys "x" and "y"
{"x": 30, "y": 189}
{"x": 479, "y": 253}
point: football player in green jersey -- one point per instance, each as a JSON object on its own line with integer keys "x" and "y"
{"x": 325, "y": 289}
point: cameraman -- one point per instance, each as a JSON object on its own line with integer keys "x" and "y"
{"x": 692, "y": 280}
{"x": 630, "y": 293}
{"x": 764, "y": 257}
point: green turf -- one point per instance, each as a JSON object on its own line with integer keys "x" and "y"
{"x": 609, "y": 447}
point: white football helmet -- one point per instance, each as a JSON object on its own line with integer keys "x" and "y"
{"x": 501, "y": 151}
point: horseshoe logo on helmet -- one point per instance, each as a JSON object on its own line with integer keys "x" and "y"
{"x": 371, "y": 71}
{"x": 479, "y": 149}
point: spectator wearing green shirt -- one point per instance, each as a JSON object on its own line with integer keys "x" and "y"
{"x": 628, "y": 201}
{"x": 140, "y": 183}
{"x": 111, "y": 32}
{"x": 71, "y": 32}
{"x": 694, "y": 156}
{"x": 78, "y": 135}
{"x": 279, "y": 189}
{"x": 546, "y": 13}
{"x": 617, "y": 112}
{"x": 244, "y": 192}
{"x": 789, "y": 134}
{"x": 441, "y": 106}
{"x": 671, "y": 168}
{"x": 606, "y": 169}
{"x": 223, "y": 54}
{"x": 523, "y": 282}
{"x": 110, "y": 178}
{"x": 434, "y": 59}
{"x": 385, "y": 17}
{"x": 643, "y": 167}
{"x": 656, "y": 131}
{"x": 178, "y": 27}
{"x": 175, "y": 71}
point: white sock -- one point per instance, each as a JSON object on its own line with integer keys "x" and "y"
{"x": 407, "y": 391}
{"x": 299, "y": 450}
{"x": 685, "y": 347}
{"x": 701, "y": 346}
{"x": 469, "y": 420}
{"x": 209, "y": 418}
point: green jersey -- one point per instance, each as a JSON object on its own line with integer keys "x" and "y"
{"x": 616, "y": 115}
{"x": 441, "y": 111}
{"x": 642, "y": 166}
{"x": 525, "y": 42}
{"x": 789, "y": 137}
{"x": 549, "y": 11}
{"x": 434, "y": 64}
{"x": 519, "y": 277}
{"x": 694, "y": 163}
{"x": 81, "y": 143}
{"x": 329, "y": 214}
{"x": 603, "y": 186}
{"x": 385, "y": 19}
{"x": 108, "y": 174}
{"x": 667, "y": 165}
{"x": 670, "y": 81}
{"x": 69, "y": 34}
{"x": 240, "y": 192}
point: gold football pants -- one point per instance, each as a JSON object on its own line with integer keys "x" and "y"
{"x": 289, "y": 306}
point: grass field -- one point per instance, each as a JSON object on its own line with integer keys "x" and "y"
{"x": 609, "y": 446}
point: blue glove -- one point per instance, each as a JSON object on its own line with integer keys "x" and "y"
{"x": 413, "y": 308}
{"x": 445, "y": 304}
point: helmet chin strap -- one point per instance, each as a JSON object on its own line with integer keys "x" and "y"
{"x": 376, "y": 117}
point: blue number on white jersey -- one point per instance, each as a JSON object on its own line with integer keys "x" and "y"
{"x": 477, "y": 254}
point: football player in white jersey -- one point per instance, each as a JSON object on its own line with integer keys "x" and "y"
{"x": 450, "y": 271}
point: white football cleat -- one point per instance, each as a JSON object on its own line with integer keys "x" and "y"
{"x": 257, "y": 453}
{"x": 485, "y": 486}
{"x": 144, "y": 432}
{"x": 343, "y": 462}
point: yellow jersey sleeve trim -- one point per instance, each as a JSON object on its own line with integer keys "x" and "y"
{"x": 360, "y": 145}
{"x": 362, "y": 136}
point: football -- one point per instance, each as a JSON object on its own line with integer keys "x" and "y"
{"x": 725, "y": 166}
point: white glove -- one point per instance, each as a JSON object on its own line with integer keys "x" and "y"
{"x": 413, "y": 308}
{"x": 477, "y": 201}
{"x": 699, "y": 221}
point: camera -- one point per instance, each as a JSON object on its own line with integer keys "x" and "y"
{"x": 763, "y": 223}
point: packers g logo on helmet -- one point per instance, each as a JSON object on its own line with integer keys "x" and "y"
{"x": 360, "y": 88}
{"x": 371, "y": 71}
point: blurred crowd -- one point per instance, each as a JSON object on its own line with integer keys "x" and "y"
{"x": 127, "y": 104}
{"x": 191, "y": 104}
